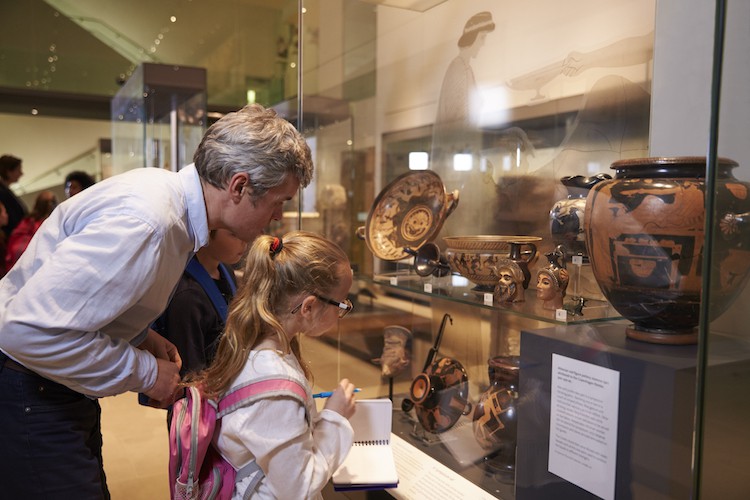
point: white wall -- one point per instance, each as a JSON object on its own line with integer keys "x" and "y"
{"x": 680, "y": 108}
{"x": 414, "y": 50}
{"x": 44, "y": 143}
{"x": 681, "y": 90}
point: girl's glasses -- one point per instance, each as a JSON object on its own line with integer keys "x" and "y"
{"x": 344, "y": 307}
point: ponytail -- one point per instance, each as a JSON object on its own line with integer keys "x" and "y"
{"x": 276, "y": 270}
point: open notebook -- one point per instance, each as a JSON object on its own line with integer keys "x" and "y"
{"x": 370, "y": 464}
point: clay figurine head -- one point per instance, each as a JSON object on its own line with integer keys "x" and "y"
{"x": 396, "y": 350}
{"x": 509, "y": 288}
{"x": 552, "y": 282}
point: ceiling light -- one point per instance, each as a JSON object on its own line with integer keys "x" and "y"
{"x": 462, "y": 162}
{"x": 418, "y": 160}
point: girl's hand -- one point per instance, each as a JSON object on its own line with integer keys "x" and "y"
{"x": 342, "y": 401}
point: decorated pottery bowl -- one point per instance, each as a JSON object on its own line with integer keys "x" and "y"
{"x": 441, "y": 395}
{"x": 477, "y": 257}
{"x": 407, "y": 213}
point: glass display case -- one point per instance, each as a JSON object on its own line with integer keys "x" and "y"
{"x": 158, "y": 117}
{"x": 506, "y": 103}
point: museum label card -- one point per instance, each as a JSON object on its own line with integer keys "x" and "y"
{"x": 583, "y": 425}
{"x": 421, "y": 476}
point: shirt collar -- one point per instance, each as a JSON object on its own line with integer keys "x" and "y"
{"x": 196, "y": 205}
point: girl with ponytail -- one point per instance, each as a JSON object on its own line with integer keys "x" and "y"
{"x": 292, "y": 286}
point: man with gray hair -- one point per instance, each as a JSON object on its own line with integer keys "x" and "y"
{"x": 76, "y": 308}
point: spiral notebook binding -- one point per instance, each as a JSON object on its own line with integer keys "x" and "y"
{"x": 372, "y": 443}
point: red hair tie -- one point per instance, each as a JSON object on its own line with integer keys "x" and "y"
{"x": 276, "y": 246}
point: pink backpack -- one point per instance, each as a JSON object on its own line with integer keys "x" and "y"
{"x": 196, "y": 469}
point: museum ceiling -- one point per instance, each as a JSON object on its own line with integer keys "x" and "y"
{"x": 82, "y": 50}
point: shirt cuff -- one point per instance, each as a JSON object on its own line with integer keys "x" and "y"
{"x": 139, "y": 338}
{"x": 146, "y": 370}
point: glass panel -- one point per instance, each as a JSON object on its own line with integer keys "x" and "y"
{"x": 724, "y": 409}
{"x": 158, "y": 117}
{"x": 501, "y": 101}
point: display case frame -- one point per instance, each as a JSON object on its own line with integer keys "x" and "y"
{"x": 389, "y": 118}
{"x": 158, "y": 117}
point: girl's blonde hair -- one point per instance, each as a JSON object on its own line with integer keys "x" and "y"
{"x": 306, "y": 263}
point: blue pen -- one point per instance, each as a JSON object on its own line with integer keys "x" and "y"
{"x": 328, "y": 394}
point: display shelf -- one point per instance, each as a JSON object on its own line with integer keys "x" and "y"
{"x": 442, "y": 447}
{"x": 459, "y": 290}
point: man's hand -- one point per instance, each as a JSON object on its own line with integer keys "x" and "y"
{"x": 161, "y": 348}
{"x": 168, "y": 362}
{"x": 165, "y": 390}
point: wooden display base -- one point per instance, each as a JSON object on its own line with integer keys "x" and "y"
{"x": 665, "y": 337}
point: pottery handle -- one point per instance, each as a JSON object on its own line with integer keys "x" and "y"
{"x": 531, "y": 253}
{"x": 360, "y": 232}
{"x": 451, "y": 202}
{"x": 582, "y": 182}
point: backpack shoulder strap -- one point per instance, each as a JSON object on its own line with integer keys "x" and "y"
{"x": 229, "y": 277}
{"x": 251, "y": 469}
{"x": 199, "y": 273}
{"x": 247, "y": 393}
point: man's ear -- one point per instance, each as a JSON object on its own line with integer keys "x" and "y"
{"x": 239, "y": 183}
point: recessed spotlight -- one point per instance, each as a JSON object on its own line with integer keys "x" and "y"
{"x": 173, "y": 19}
{"x": 34, "y": 111}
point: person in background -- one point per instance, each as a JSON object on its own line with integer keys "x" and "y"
{"x": 293, "y": 286}
{"x": 77, "y": 181}
{"x": 45, "y": 203}
{"x": 76, "y": 308}
{"x": 195, "y": 317}
{"x": 11, "y": 170}
{"x": 3, "y": 240}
